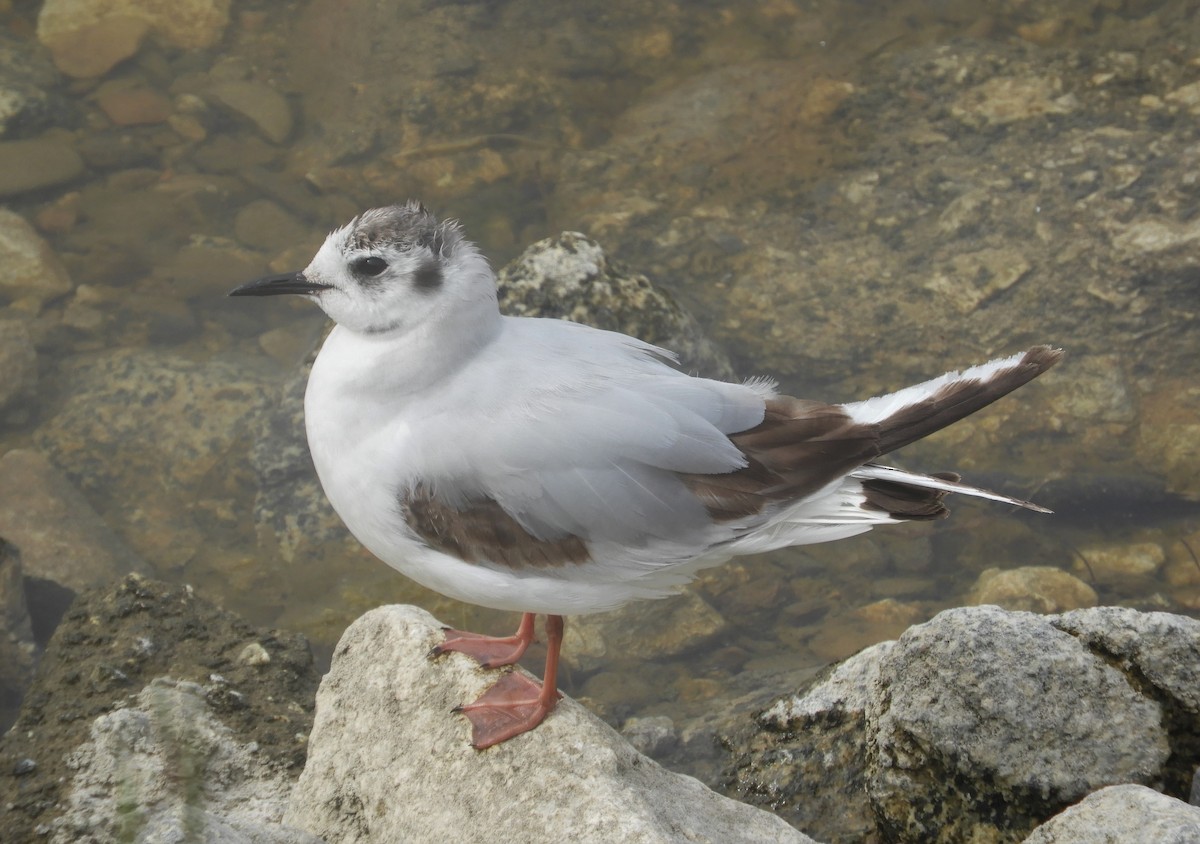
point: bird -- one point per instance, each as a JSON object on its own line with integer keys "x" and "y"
{"x": 547, "y": 467}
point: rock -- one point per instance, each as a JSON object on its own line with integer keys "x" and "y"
{"x": 89, "y": 37}
{"x": 570, "y": 277}
{"x": 165, "y": 469}
{"x": 1160, "y": 653}
{"x": 29, "y": 98}
{"x": 807, "y": 759}
{"x": 18, "y": 650}
{"x": 165, "y": 768}
{"x": 260, "y": 104}
{"x": 28, "y": 267}
{"x": 18, "y": 362}
{"x": 94, "y": 752}
{"x": 1041, "y": 589}
{"x": 1169, "y": 434}
{"x": 59, "y": 535}
{"x": 641, "y": 630}
{"x": 1105, "y": 563}
{"x": 1122, "y": 814}
{"x": 988, "y": 722}
{"x": 385, "y": 741}
{"x": 95, "y": 48}
{"x": 132, "y": 105}
{"x": 265, "y": 226}
{"x": 979, "y": 725}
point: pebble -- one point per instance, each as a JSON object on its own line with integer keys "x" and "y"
{"x": 1041, "y": 589}
{"x": 263, "y": 106}
{"x": 28, "y": 267}
{"x": 36, "y": 163}
{"x": 1108, "y": 562}
{"x": 92, "y": 50}
{"x": 132, "y": 105}
{"x": 18, "y": 362}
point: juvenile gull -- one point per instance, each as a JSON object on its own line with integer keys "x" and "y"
{"x": 543, "y": 466}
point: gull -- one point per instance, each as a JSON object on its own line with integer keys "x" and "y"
{"x": 547, "y": 467}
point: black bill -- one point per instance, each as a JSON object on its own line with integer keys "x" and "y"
{"x": 273, "y": 285}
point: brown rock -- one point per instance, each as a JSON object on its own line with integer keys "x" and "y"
{"x": 131, "y": 105}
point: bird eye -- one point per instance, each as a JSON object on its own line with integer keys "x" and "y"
{"x": 371, "y": 265}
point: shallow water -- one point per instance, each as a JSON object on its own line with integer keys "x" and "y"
{"x": 704, "y": 144}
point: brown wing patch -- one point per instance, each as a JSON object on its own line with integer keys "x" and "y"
{"x": 904, "y": 501}
{"x": 799, "y": 447}
{"x": 483, "y": 532}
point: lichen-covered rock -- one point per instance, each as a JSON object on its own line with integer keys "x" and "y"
{"x": 570, "y": 277}
{"x": 807, "y": 758}
{"x": 987, "y": 722}
{"x": 979, "y": 725}
{"x": 114, "y": 643}
{"x": 165, "y": 768}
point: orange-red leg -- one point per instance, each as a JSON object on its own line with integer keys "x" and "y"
{"x": 516, "y": 704}
{"x": 489, "y": 651}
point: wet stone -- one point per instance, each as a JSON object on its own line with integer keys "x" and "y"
{"x": 60, "y": 537}
{"x": 132, "y": 105}
{"x": 35, "y": 164}
{"x": 1041, "y": 589}
{"x": 264, "y": 107}
{"x": 28, "y": 266}
{"x": 18, "y": 363}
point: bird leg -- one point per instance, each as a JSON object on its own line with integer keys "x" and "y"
{"x": 517, "y": 704}
{"x": 489, "y": 651}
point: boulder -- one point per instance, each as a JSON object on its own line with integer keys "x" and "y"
{"x": 389, "y": 761}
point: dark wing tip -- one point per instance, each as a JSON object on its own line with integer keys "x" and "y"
{"x": 1042, "y": 358}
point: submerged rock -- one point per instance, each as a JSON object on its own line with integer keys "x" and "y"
{"x": 389, "y": 761}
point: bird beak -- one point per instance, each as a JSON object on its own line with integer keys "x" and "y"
{"x": 273, "y": 285}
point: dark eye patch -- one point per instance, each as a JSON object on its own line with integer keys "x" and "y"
{"x": 428, "y": 276}
{"x": 368, "y": 265}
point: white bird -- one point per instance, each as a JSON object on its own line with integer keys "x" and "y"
{"x": 543, "y": 466}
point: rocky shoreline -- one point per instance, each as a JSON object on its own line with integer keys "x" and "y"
{"x": 154, "y": 713}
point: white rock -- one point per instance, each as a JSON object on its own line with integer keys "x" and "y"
{"x": 166, "y": 770}
{"x": 389, "y": 761}
{"x": 1122, "y": 814}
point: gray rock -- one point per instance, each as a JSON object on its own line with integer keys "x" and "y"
{"x": 28, "y": 267}
{"x": 1160, "y": 654}
{"x": 979, "y": 723}
{"x": 385, "y": 743}
{"x": 987, "y": 722}
{"x": 1122, "y": 814}
{"x": 29, "y": 101}
{"x": 571, "y": 277}
{"x": 166, "y": 769}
